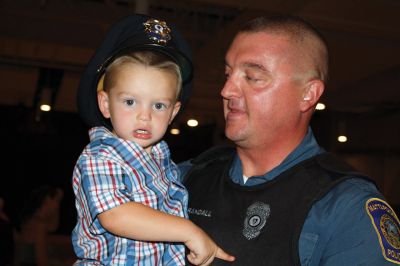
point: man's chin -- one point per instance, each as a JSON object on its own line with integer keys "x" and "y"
{"x": 233, "y": 133}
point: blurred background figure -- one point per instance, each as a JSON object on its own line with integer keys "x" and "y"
{"x": 39, "y": 217}
{"x": 6, "y": 237}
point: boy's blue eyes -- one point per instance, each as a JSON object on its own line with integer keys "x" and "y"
{"x": 129, "y": 102}
{"x": 159, "y": 106}
{"x": 156, "y": 106}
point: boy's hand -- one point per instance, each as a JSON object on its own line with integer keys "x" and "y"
{"x": 203, "y": 250}
{"x": 199, "y": 260}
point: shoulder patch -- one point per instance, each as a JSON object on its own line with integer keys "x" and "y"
{"x": 387, "y": 226}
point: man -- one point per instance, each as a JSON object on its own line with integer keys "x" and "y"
{"x": 278, "y": 198}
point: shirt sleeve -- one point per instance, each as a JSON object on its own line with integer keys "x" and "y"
{"x": 103, "y": 184}
{"x": 183, "y": 169}
{"x": 351, "y": 236}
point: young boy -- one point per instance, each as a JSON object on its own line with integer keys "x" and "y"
{"x": 131, "y": 207}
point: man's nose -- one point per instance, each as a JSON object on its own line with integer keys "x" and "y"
{"x": 231, "y": 88}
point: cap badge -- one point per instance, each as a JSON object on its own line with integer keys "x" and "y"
{"x": 157, "y": 31}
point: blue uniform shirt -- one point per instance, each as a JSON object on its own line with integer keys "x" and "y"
{"x": 339, "y": 229}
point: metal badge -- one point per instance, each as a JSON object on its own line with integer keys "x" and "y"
{"x": 257, "y": 215}
{"x": 157, "y": 31}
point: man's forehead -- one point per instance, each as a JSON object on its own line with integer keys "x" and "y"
{"x": 259, "y": 42}
{"x": 248, "y": 60}
{"x": 254, "y": 50}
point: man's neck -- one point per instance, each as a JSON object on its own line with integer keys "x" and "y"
{"x": 261, "y": 159}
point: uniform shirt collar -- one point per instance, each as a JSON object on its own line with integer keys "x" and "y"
{"x": 306, "y": 149}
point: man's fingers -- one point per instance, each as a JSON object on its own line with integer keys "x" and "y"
{"x": 221, "y": 254}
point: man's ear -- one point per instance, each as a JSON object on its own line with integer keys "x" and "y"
{"x": 177, "y": 107}
{"x": 311, "y": 94}
{"x": 104, "y": 105}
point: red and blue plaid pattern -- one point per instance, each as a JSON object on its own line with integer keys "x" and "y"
{"x": 110, "y": 172}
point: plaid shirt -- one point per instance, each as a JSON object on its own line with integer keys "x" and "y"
{"x": 110, "y": 172}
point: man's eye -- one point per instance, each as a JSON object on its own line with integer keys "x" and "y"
{"x": 249, "y": 78}
{"x": 129, "y": 102}
{"x": 160, "y": 106}
{"x": 228, "y": 72}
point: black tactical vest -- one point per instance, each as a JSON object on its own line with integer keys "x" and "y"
{"x": 259, "y": 225}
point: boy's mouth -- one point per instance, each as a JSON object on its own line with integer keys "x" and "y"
{"x": 142, "y": 134}
{"x": 141, "y": 131}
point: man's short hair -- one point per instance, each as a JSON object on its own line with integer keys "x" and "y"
{"x": 298, "y": 30}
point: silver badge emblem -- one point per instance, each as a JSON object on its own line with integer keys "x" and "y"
{"x": 256, "y": 218}
{"x": 157, "y": 31}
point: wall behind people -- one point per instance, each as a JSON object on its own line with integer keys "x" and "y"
{"x": 38, "y": 218}
{"x": 6, "y": 236}
{"x": 39, "y": 153}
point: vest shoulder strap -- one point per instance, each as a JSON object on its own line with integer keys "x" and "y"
{"x": 203, "y": 159}
{"x": 214, "y": 153}
{"x": 336, "y": 166}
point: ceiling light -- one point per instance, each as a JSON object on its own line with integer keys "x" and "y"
{"x": 175, "y": 131}
{"x": 45, "y": 107}
{"x": 320, "y": 106}
{"x": 342, "y": 138}
{"x": 45, "y": 99}
{"x": 192, "y": 123}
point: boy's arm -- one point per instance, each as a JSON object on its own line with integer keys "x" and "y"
{"x": 137, "y": 221}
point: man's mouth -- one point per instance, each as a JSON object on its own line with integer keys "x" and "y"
{"x": 235, "y": 105}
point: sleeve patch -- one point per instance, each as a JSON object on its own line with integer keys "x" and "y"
{"x": 387, "y": 227}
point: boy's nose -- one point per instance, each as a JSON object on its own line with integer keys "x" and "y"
{"x": 144, "y": 114}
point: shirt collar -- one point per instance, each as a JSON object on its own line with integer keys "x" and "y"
{"x": 159, "y": 152}
{"x": 306, "y": 149}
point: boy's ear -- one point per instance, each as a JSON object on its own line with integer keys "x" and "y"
{"x": 177, "y": 107}
{"x": 103, "y": 101}
{"x": 311, "y": 94}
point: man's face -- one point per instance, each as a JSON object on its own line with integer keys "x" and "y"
{"x": 262, "y": 92}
